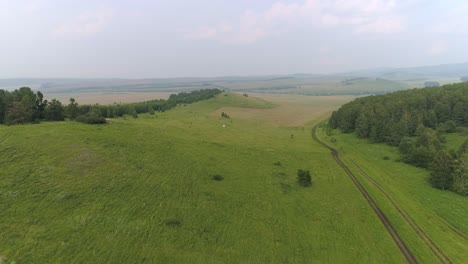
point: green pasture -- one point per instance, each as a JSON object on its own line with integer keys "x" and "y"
{"x": 442, "y": 215}
{"x": 144, "y": 191}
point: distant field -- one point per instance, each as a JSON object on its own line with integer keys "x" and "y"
{"x": 142, "y": 190}
{"x": 290, "y": 110}
{"x": 441, "y": 215}
{"x": 105, "y": 89}
{"x": 110, "y": 98}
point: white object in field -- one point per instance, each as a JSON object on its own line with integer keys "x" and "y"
{"x": 224, "y": 125}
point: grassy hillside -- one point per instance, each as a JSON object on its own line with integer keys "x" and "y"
{"x": 440, "y": 215}
{"x": 142, "y": 190}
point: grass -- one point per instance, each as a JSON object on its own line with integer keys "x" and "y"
{"x": 437, "y": 212}
{"x": 142, "y": 191}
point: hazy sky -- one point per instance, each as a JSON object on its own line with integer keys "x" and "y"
{"x": 136, "y": 39}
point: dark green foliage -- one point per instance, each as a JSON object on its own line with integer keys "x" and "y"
{"x": 24, "y": 106}
{"x": 460, "y": 175}
{"x": 217, "y": 177}
{"x": 303, "y": 178}
{"x": 21, "y": 106}
{"x": 448, "y": 127}
{"x": 421, "y": 150}
{"x": 173, "y": 222}
{"x": 133, "y": 112}
{"x": 72, "y": 109}
{"x": 54, "y": 111}
{"x": 224, "y": 115}
{"x": 152, "y": 106}
{"x": 415, "y": 121}
{"x": 386, "y": 158}
{"x": 278, "y": 163}
{"x": 463, "y": 148}
{"x": 380, "y": 117}
{"x": 441, "y": 176}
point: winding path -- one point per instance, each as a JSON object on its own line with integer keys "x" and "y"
{"x": 391, "y": 230}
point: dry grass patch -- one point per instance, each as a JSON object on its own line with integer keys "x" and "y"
{"x": 292, "y": 110}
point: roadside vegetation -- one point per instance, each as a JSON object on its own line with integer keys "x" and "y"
{"x": 417, "y": 121}
{"x": 422, "y": 215}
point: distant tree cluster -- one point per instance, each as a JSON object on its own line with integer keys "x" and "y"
{"x": 224, "y": 115}
{"x": 415, "y": 121}
{"x": 94, "y": 112}
{"x": 24, "y": 106}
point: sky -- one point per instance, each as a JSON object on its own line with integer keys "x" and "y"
{"x": 207, "y": 38}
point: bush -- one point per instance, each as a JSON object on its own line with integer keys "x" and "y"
{"x": 217, "y": 177}
{"x": 278, "y": 163}
{"x": 386, "y": 157}
{"x": 90, "y": 119}
{"x": 173, "y": 222}
{"x": 303, "y": 178}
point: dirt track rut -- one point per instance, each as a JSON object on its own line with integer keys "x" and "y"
{"x": 391, "y": 230}
{"x": 427, "y": 240}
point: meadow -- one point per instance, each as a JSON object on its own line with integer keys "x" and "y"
{"x": 432, "y": 221}
{"x": 179, "y": 187}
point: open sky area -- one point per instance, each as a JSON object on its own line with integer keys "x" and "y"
{"x": 143, "y": 39}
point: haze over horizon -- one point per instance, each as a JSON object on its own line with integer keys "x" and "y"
{"x": 159, "y": 39}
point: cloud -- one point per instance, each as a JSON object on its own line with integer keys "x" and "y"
{"x": 360, "y": 16}
{"x": 85, "y": 24}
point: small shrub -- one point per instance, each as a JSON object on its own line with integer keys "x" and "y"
{"x": 386, "y": 157}
{"x": 333, "y": 140}
{"x": 173, "y": 222}
{"x": 217, "y": 177}
{"x": 278, "y": 163}
{"x": 303, "y": 178}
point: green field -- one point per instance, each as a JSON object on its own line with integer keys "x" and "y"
{"x": 438, "y": 215}
{"x": 141, "y": 190}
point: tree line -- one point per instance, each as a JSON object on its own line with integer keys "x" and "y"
{"x": 416, "y": 121}
{"x": 24, "y": 106}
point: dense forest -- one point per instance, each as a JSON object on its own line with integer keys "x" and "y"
{"x": 415, "y": 121}
{"x": 23, "y": 106}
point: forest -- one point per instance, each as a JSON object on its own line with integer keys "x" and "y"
{"x": 24, "y": 106}
{"x": 415, "y": 121}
